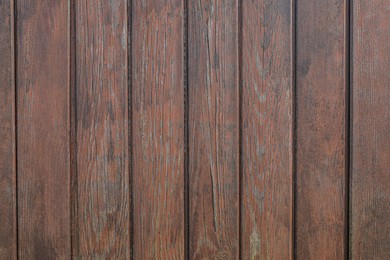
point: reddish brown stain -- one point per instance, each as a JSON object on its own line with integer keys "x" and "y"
{"x": 205, "y": 129}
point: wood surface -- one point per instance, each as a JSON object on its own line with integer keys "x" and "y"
{"x": 171, "y": 129}
{"x": 158, "y": 146}
{"x": 103, "y": 189}
{"x": 370, "y": 178}
{"x": 267, "y": 127}
{"x": 321, "y": 129}
{"x": 7, "y": 134}
{"x": 43, "y": 164}
{"x": 213, "y": 96}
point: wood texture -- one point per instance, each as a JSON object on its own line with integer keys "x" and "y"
{"x": 213, "y": 129}
{"x": 7, "y": 134}
{"x": 158, "y": 129}
{"x": 321, "y": 127}
{"x": 43, "y": 164}
{"x": 103, "y": 198}
{"x": 267, "y": 121}
{"x": 370, "y": 194}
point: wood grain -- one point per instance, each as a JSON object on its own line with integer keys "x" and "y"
{"x": 321, "y": 127}
{"x": 7, "y": 134}
{"x": 43, "y": 129}
{"x": 213, "y": 129}
{"x": 370, "y": 187}
{"x": 103, "y": 198}
{"x": 158, "y": 129}
{"x": 267, "y": 121}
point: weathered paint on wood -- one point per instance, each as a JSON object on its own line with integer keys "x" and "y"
{"x": 370, "y": 171}
{"x": 267, "y": 127}
{"x": 7, "y": 134}
{"x": 321, "y": 128}
{"x": 102, "y": 215}
{"x": 43, "y": 165}
{"x": 177, "y": 129}
{"x": 213, "y": 129}
{"x": 158, "y": 129}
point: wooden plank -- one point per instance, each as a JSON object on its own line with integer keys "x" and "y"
{"x": 103, "y": 189}
{"x": 321, "y": 128}
{"x": 43, "y": 164}
{"x": 267, "y": 127}
{"x": 370, "y": 187}
{"x": 158, "y": 129}
{"x": 7, "y": 133}
{"x": 213, "y": 129}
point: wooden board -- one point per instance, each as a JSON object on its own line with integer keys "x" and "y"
{"x": 103, "y": 190}
{"x": 370, "y": 178}
{"x": 321, "y": 129}
{"x": 7, "y": 133}
{"x": 267, "y": 127}
{"x": 158, "y": 129}
{"x": 213, "y": 129}
{"x": 43, "y": 117}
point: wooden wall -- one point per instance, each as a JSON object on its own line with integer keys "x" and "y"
{"x": 207, "y": 129}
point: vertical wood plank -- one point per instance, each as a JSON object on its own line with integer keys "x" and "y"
{"x": 7, "y": 133}
{"x": 43, "y": 129}
{"x": 103, "y": 205}
{"x": 213, "y": 129}
{"x": 267, "y": 121}
{"x": 158, "y": 129}
{"x": 370, "y": 185}
{"x": 321, "y": 127}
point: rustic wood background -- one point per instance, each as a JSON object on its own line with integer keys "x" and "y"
{"x": 195, "y": 129}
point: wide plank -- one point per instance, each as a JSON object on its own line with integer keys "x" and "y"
{"x": 321, "y": 109}
{"x": 370, "y": 129}
{"x": 158, "y": 148}
{"x": 213, "y": 129}
{"x": 102, "y": 199}
{"x": 43, "y": 140}
{"x": 267, "y": 128}
{"x": 7, "y": 133}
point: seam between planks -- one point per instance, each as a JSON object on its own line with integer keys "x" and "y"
{"x": 294, "y": 128}
{"x": 240, "y": 109}
{"x": 130, "y": 121}
{"x": 15, "y": 165}
{"x": 186, "y": 134}
{"x": 348, "y": 124}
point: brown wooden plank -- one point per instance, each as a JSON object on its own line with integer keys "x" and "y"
{"x": 43, "y": 164}
{"x": 267, "y": 126}
{"x": 370, "y": 226}
{"x": 321, "y": 127}
{"x": 7, "y": 133}
{"x": 213, "y": 129}
{"x": 158, "y": 129}
{"x": 103, "y": 206}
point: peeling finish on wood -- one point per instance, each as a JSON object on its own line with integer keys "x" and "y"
{"x": 43, "y": 117}
{"x": 158, "y": 129}
{"x": 213, "y": 129}
{"x": 370, "y": 171}
{"x": 321, "y": 127}
{"x": 267, "y": 118}
{"x": 103, "y": 207}
{"x": 7, "y": 134}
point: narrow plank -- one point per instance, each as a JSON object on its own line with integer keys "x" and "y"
{"x": 158, "y": 129}
{"x": 43, "y": 164}
{"x": 321, "y": 125}
{"x": 7, "y": 134}
{"x": 213, "y": 129}
{"x": 267, "y": 127}
{"x": 103, "y": 207}
{"x": 370, "y": 186}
